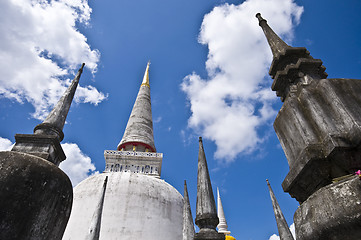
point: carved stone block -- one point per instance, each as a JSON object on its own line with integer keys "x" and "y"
{"x": 333, "y": 212}
{"x": 319, "y": 127}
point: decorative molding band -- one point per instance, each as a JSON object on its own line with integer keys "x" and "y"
{"x": 131, "y": 153}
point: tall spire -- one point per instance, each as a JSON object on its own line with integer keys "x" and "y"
{"x": 283, "y": 229}
{"x": 277, "y": 45}
{"x": 54, "y": 123}
{"x": 206, "y": 213}
{"x": 95, "y": 223}
{"x": 138, "y": 134}
{"x": 45, "y": 142}
{"x": 222, "y": 226}
{"x": 136, "y": 151}
{"x": 188, "y": 226}
{"x": 290, "y": 65}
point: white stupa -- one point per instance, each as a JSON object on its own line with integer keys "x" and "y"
{"x": 129, "y": 200}
{"x": 222, "y": 225}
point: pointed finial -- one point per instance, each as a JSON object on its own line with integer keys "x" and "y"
{"x": 146, "y": 76}
{"x": 54, "y": 123}
{"x": 278, "y": 46}
{"x": 283, "y": 229}
{"x": 188, "y": 226}
{"x": 206, "y": 212}
{"x": 222, "y": 226}
{"x": 258, "y": 15}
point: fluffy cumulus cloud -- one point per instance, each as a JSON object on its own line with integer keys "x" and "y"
{"x": 77, "y": 165}
{"x": 5, "y": 144}
{"x": 293, "y": 231}
{"x": 235, "y": 100}
{"x": 40, "y": 47}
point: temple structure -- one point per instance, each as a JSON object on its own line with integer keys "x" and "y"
{"x": 36, "y": 196}
{"x": 319, "y": 127}
{"x": 129, "y": 200}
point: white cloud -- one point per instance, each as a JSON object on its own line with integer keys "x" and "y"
{"x": 158, "y": 119}
{"x": 292, "y": 229}
{"x": 77, "y": 165}
{"x": 274, "y": 237}
{"x": 40, "y": 46}
{"x": 235, "y": 100}
{"x": 5, "y": 144}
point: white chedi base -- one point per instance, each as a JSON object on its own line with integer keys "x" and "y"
{"x": 135, "y": 207}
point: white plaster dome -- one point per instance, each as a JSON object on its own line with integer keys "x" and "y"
{"x": 135, "y": 207}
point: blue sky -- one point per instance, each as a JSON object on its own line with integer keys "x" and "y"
{"x": 208, "y": 74}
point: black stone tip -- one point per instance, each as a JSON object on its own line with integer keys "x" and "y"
{"x": 200, "y": 139}
{"x": 260, "y": 19}
{"x": 267, "y": 182}
{"x": 81, "y": 68}
{"x": 185, "y": 182}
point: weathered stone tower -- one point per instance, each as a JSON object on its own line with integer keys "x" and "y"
{"x": 35, "y": 195}
{"x": 319, "y": 127}
{"x": 206, "y": 218}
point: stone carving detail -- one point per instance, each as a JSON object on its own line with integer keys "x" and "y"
{"x": 145, "y": 169}
{"x": 149, "y": 163}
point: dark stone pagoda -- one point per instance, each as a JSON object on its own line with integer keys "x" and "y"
{"x": 319, "y": 127}
{"x": 36, "y": 196}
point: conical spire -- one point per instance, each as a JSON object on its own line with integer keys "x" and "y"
{"x": 188, "y": 226}
{"x": 206, "y": 206}
{"x": 290, "y": 65}
{"x": 277, "y": 45}
{"x": 222, "y": 226}
{"x": 139, "y": 130}
{"x": 54, "y": 123}
{"x": 206, "y": 218}
{"x": 45, "y": 142}
{"x": 283, "y": 229}
{"x": 95, "y": 223}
